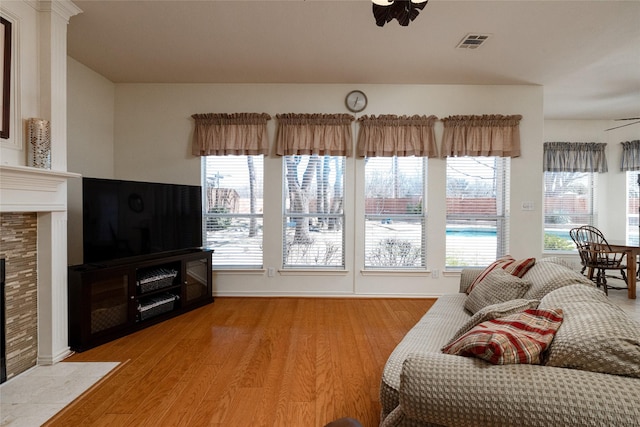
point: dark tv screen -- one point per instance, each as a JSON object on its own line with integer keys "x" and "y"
{"x": 124, "y": 219}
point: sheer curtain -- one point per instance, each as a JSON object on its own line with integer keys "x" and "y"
{"x": 402, "y": 136}
{"x": 396, "y": 150}
{"x": 570, "y": 189}
{"x": 630, "y": 163}
{"x": 230, "y": 134}
{"x": 630, "y": 156}
{"x": 575, "y": 157}
{"x": 314, "y": 148}
{"x": 478, "y": 151}
{"x": 321, "y": 134}
{"x": 486, "y": 135}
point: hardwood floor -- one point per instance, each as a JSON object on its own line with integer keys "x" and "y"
{"x": 250, "y": 362}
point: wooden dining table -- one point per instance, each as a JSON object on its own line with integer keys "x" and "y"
{"x": 632, "y": 251}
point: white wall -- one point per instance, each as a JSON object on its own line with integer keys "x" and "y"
{"x": 25, "y": 94}
{"x": 152, "y": 138}
{"x": 90, "y": 141}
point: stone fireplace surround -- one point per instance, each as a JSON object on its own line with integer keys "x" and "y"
{"x": 42, "y": 193}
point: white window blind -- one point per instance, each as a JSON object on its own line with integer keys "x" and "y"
{"x": 313, "y": 213}
{"x": 477, "y": 210}
{"x": 233, "y": 197}
{"x": 633, "y": 202}
{"x": 569, "y": 202}
{"x": 395, "y": 219}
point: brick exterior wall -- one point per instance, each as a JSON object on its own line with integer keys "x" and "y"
{"x": 18, "y": 245}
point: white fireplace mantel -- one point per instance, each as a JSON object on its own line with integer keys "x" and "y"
{"x": 44, "y": 191}
{"x": 27, "y": 189}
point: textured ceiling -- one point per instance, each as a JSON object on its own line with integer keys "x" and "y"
{"x": 586, "y": 54}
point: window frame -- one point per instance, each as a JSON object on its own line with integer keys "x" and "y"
{"x": 392, "y": 217}
{"x": 632, "y": 230}
{"x": 590, "y": 218}
{"x": 227, "y": 218}
{"x": 339, "y": 219}
{"x": 501, "y": 218}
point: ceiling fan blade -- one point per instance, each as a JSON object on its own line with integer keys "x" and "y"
{"x": 621, "y": 126}
{"x": 629, "y": 118}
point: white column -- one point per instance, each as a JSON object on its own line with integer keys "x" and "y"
{"x": 53, "y": 342}
{"x": 53, "y": 18}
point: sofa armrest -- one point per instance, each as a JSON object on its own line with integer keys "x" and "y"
{"x": 467, "y": 276}
{"x": 461, "y": 391}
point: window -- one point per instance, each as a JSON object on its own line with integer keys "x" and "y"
{"x": 477, "y": 210}
{"x": 633, "y": 204}
{"x": 233, "y": 209}
{"x": 395, "y": 221}
{"x": 313, "y": 212}
{"x": 569, "y": 201}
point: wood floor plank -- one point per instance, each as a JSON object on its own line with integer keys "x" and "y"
{"x": 250, "y": 361}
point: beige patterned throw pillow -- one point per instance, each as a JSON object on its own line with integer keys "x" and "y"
{"x": 548, "y": 276}
{"x": 497, "y": 286}
{"x": 517, "y": 267}
{"x": 596, "y": 334}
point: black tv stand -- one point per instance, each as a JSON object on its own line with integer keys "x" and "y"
{"x": 113, "y": 299}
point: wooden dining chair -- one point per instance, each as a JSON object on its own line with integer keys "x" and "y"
{"x": 597, "y": 257}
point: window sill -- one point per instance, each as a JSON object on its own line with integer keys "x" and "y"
{"x": 312, "y": 272}
{"x": 395, "y": 272}
{"x": 243, "y": 271}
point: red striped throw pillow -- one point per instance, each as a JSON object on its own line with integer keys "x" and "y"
{"x": 516, "y": 267}
{"x": 518, "y": 338}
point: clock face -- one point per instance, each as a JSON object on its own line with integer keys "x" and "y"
{"x": 356, "y": 101}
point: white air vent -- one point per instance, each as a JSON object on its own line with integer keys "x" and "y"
{"x": 473, "y": 41}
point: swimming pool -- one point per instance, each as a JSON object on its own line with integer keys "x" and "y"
{"x": 491, "y": 232}
{"x": 471, "y": 232}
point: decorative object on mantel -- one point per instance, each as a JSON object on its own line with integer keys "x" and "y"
{"x": 404, "y": 11}
{"x": 39, "y": 143}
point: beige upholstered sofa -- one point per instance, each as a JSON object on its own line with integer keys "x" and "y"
{"x": 422, "y": 386}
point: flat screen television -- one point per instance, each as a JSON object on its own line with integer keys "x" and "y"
{"x": 123, "y": 219}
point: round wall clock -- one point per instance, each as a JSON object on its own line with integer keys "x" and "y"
{"x": 356, "y": 101}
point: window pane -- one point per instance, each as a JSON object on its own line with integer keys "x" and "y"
{"x": 477, "y": 223}
{"x": 313, "y": 211}
{"x": 233, "y": 210}
{"x": 569, "y": 201}
{"x": 394, "y": 213}
{"x": 633, "y": 203}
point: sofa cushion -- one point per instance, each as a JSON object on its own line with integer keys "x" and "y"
{"x": 546, "y": 276}
{"x": 556, "y": 260}
{"x": 428, "y": 336}
{"x": 495, "y": 311}
{"x": 497, "y": 286}
{"x": 517, "y": 338}
{"x": 508, "y": 263}
{"x": 596, "y": 335}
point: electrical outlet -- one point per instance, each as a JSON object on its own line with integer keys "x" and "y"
{"x": 271, "y": 272}
{"x": 435, "y": 274}
{"x": 527, "y": 205}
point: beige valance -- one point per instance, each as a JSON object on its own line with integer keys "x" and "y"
{"x": 390, "y": 135}
{"x": 230, "y": 134}
{"x": 486, "y": 135}
{"x": 321, "y": 134}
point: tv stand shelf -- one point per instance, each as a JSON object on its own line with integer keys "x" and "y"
{"x": 113, "y": 299}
